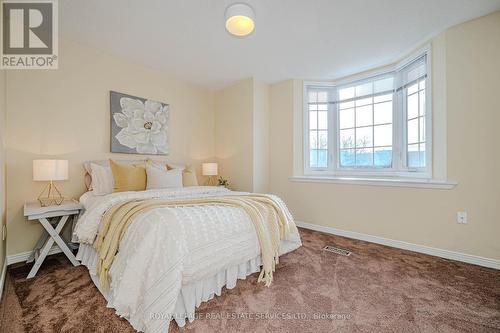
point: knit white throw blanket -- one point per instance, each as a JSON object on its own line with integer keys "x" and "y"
{"x": 271, "y": 219}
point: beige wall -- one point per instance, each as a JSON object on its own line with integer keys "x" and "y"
{"x": 466, "y": 114}
{"x": 65, "y": 114}
{"x": 2, "y": 168}
{"x": 233, "y": 134}
{"x": 260, "y": 136}
{"x": 242, "y": 134}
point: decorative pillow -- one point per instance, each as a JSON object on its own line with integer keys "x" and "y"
{"x": 128, "y": 177}
{"x": 188, "y": 175}
{"x": 158, "y": 177}
{"x": 87, "y": 165}
{"x": 102, "y": 179}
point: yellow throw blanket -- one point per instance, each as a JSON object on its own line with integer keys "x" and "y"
{"x": 271, "y": 219}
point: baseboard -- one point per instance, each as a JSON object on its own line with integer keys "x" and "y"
{"x": 458, "y": 256}
{"x": 468, "y": 258}
{"x": 2, "y": 278}
{"x": 23, "y": 256}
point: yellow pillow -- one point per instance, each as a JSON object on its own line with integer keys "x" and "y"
{"x": 188, "y": 175}
{"x": 128, "y": 177}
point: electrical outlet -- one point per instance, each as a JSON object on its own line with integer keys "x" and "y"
{"x": 462, "y": 217}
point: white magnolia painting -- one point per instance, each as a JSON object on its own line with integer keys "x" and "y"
{"x": 138, "y": 125}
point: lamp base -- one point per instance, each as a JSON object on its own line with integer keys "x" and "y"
{"x": 52, "y": 197}
{"x": 211, "y": 181}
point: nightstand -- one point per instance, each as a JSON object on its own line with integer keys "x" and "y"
{"x": 59, "y": 215}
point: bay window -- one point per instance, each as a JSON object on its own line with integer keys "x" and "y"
{"x": 374, "y": 126}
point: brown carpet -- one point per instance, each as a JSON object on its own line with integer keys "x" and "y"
{"x": 376, "y": 289}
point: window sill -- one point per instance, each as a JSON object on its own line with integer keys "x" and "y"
{"x": 393, "y": 182}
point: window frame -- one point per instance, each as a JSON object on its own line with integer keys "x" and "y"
{"x": 399, "y": 168}
{"x": 306, "y": 129}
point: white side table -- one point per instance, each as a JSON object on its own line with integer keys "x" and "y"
{"x": 33, "y": 211}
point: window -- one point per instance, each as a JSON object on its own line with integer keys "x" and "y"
{"x": 318, "y": 128}
{"x": 373, "y": 126}
{"x": 365, "y": 123}
{"x": 413, "y": 81}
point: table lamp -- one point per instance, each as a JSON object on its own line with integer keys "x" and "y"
{"x": 210, "y": 170}
{"x": 50, "y": 171}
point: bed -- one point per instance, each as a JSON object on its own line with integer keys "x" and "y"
{"x": 171, "y": 259}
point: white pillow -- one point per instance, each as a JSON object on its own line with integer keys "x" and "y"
{"x": 158, "y": 178}
{"x": 102, "y": 179}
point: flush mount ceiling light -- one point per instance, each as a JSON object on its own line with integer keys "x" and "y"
{"x": 240, "y": 19}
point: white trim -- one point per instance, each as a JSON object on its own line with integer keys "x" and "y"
{"x": 393, "y": 182}
{"x": 360, "y": 76}
{"x": 23, "y": 256}
{"x": 2, "y": 277}
{"x": 447, "y": 254}
{"x": 429, "y": 110}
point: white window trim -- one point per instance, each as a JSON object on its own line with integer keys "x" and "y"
{"x": 378, "y": 176}
{"x": 380, "y": 181}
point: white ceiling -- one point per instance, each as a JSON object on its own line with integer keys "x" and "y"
{"x": 314, "y": 39}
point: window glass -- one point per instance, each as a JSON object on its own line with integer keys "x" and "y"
{"x": 318, "y": 128}
{"x": 415, "y": 99}
{"x": 365, "y": 123}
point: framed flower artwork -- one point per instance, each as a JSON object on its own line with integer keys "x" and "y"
{"x": 138, "y": 125}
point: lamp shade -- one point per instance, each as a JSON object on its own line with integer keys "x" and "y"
{"x": 46, "y": 170}
{"x": 240, "y": 19}
{"x": 209, "y": 169}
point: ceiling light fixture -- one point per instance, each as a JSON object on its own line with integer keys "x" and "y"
{"x": 240, "y": 19}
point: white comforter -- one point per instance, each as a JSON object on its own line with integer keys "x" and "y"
{"x": 168, "y": 248}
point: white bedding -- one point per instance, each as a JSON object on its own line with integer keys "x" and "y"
{"x": 167, "y": 254}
